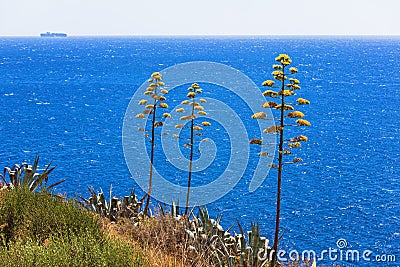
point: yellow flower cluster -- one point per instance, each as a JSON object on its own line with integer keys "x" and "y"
{"x": 191, "y": 94}
{"x": 295, "y": 114}
{"x": 202, "y": 100}
{"x": 156, "y": 76}
{"x": 286, "y": 92}
{"x": 272, "y": 165}
{"x": 255, "y": 141}
{"x": 302, "y": 101}
{"x": 199, "y": 108}
{"x": 293, "y": 70}
{"x": 284, "y": 59}
{"x": 268, "y": 83}
{"x": 287, "y": 152}
{"x": 270, "y": 93}
{"x": 285, "y": 107}
{"x": 259, "y": 115}
{"x": 269, "y": 104}
{"x": 149, "y": 106}
{"x": 202, "y": 113}
{"x": 197, "y": 128}
{"x": 187, "y": 118}
{"x": 143, "y": 102}
{"x": 302, "y": 122}
{"x": 273, "y": 129}
{"x": 295, "y": 160}
{"x": 294, "y": 81}
{"x": 294, "y": 145}
{"x": 163, "y": 105}
{"x": 158, "y": 97}
{"x": 279, "y": 75}
{"x": 180, "y": 110}
{"x": 140, "y": 116}
{"x": 277, "y": 67}
{"x": 302, "y": 138}
{"x": 167, "y": 115}
{"x": 293, "y": 86}
{"x": 206, "y": 123}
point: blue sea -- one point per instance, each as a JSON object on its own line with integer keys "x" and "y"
{"x": 66, "y": 99}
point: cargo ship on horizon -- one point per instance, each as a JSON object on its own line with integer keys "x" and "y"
{"x": 53, "y": 34}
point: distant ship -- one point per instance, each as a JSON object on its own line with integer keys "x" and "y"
{"x": 53, "y": 34}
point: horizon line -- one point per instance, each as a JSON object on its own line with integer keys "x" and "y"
{"x": 216, "y": 35}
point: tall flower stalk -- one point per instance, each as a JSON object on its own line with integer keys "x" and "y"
{"x": 285, "y": 89}
{"x": 195, "y": 110}
{"x": 156, "y": 93}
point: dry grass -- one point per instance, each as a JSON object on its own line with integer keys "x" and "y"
{"x": 164, "y": 242}
{"x": 162, "y": 239}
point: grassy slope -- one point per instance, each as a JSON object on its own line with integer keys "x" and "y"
{"x": 40, "y": 229}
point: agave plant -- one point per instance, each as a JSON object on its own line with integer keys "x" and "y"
{"x": 129, "y": 207}
{"x": 28, "y": 175}
{"x": 195, "y": 109}
{"x": 285, "y": 111}
{"x": 207, "y": 237}
{"x": 157, "y": 96}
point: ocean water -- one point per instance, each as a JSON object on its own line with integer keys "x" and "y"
{"x": 65, "y": 99}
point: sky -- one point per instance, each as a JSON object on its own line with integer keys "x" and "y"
{"x": 200, "y": 17}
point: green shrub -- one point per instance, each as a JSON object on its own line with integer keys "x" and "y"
{"x": 38, "y": 216}
{"x": 71, "y": 250}
{"x": 41, "y": 229}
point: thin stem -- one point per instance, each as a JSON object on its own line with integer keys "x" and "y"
{"x": 280, "y": 164}
{"x": 190, "y": 159}
{"x": 153, "y": 121}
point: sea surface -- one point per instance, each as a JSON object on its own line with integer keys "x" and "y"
{"x": 66, "y": 99}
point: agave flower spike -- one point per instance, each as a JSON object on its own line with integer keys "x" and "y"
{"x": 190, "y": 116}
{"x": 280, "y": 72}
{"x": 157, "y": 97}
